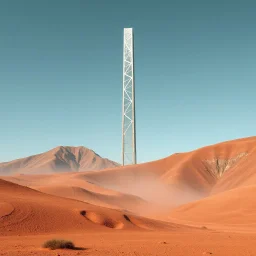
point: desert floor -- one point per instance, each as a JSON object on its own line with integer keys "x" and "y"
{"x": 201, "y": 242}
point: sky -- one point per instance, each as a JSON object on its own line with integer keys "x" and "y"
{"x": 61, "y": 74}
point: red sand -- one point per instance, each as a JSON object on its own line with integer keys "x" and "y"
{"x": 27, "y": 211}
{"x": 230, "y": 210}
{"x": 214, "y": 186}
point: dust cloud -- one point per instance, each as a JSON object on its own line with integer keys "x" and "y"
{"x": 160, "y": 196}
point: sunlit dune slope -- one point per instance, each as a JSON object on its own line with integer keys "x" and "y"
{"x": 234, "y": 208}
{"x": 67, "y": 185}
{"x": 199, "y": 170}
{"x": 175, "y": 180}
{"x": 26, "y": 211}
{"x": 60, "y": 159}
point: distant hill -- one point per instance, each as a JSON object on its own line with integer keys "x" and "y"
{"x": 60, "y": 159}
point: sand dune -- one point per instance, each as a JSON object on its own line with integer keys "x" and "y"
{"x": 200, "y": 170}
{"x": 233, "y": 209}
{"x": 169, "y": 182}
{"x": 119, "y": 201}
{"x": 60, "y": 159}
{"x": 27, "y": 211}
{"x": 180, "y": 178}
{"x": 32, "y": 217}
{"x": 68, "y": 186}
{"x": 159, "y": 185}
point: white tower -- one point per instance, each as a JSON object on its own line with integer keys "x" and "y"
{"x": 128, "y": 122}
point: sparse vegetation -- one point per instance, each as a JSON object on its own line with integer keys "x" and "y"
{"x": 59, "y": 244}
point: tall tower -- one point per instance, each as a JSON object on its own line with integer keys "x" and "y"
{"x": 128, "y": 122}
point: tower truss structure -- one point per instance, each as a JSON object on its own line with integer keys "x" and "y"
{"x": 128, "y": 120}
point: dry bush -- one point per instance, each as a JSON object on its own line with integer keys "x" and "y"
{"x": 58, "y": 244}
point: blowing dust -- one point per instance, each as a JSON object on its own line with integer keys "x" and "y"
{"x": 160, "y": 197}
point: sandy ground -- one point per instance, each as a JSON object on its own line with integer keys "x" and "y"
{"x": 137, "y": 243}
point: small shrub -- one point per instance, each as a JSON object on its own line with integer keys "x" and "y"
{"x": 58, "y": 244}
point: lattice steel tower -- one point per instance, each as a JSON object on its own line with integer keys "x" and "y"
{"x": 128, "y": 122}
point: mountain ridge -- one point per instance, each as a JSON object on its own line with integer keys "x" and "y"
{"x": 58, "y": 159}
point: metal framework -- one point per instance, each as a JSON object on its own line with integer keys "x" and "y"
{"x": 128, "y": 120}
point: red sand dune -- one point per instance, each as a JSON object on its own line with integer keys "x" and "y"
{"x": 201, "y": 169}
{"x": 182, "y": 177}
{"x": 234, "y": 209}
{"x": 68, "y": 186}
{"x": 60, "y": 159}
{"x": 172, "y": 181}
{"x": 27, "y": 211}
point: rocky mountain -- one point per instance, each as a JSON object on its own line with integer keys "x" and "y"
{"x": 60, "y": 159}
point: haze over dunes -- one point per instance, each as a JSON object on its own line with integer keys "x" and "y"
{"x": 72, "y": 186}
{"x": 193, "y": 174}
{"x": 183, "y": 200}
{"x": 60, "y": 159}
{"x": 172, "y": 181}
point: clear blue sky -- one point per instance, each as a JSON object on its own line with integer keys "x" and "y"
{"x": 61, "y": 74}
